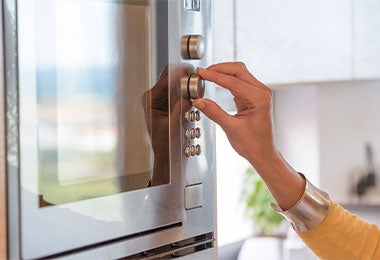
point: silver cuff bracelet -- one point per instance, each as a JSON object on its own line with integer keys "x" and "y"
{"x": 309, "y": 211}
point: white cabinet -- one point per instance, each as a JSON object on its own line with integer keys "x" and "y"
{"x": 306, "y": 41}
{"x": 223, "y": 14}
{"x": 366, "y": 29}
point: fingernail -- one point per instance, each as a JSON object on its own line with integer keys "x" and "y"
{"x": 200, "y": 69}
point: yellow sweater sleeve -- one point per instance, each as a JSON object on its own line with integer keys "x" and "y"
{"x": 342, "y": 235}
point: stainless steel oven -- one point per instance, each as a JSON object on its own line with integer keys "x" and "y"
{"x": 105, "y": 156}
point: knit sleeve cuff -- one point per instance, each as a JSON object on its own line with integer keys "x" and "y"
{"x": 309, "y": 211}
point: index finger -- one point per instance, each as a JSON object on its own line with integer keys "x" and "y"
{"x": 238, "y": 70}
{"x": 237, "y": 87}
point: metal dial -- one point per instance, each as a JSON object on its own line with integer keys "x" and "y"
{"x": 192, "y": 86}
{"x": 196, "y": 86}
{"x": 192, "y": 47}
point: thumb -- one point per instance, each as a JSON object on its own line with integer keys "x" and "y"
{"x": 213, "y": 111}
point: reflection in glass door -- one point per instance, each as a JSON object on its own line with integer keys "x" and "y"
{"x": 95, "y": 62}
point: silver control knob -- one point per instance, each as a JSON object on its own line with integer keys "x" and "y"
{"x": 192, "y": 47}
{"x": 196, "y": 86}
{"x": 192, "y": 86}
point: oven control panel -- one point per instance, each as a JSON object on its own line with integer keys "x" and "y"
{"x": 192, "y": 87}
{"x": 197, "y": 133}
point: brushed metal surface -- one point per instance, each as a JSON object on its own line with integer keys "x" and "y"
{"x": 3, "y": 208}
{"x": 11, "y": 125}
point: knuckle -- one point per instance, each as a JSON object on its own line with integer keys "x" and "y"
{"x": 241, "y": 65}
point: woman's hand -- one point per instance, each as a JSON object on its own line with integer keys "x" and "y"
{"x": 250, "y": 130}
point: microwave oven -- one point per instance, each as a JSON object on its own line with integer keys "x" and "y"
{"x": 103, "y": 155}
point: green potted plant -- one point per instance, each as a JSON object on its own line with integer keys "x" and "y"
{"x": 256, "y": 199}
{"x": 269, "y": 226}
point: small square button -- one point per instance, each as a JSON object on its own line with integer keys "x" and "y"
{"x": 193, "y": 196}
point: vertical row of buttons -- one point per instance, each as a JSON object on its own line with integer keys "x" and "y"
{"x": 192, "y": 133}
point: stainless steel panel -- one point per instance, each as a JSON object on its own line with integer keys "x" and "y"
{"x": 12, "y": 130}
{"x": 3, "y": 208}
{"x": 202, "y": 168}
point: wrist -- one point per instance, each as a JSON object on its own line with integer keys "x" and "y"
{"x": 310, "y": 209}
{"x": 285, "y": 184}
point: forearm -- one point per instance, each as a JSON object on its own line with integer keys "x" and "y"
{"x": 285, "y": 184}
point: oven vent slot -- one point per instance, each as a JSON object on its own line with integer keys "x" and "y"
{"x": 177, "y": 249}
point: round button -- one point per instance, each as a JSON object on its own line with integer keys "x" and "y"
{"x": 198, "y": 132}
{"x": 197, "y": 115}
{"x": 193, "y": 150}
{"x": 187, "y": 134}
{"x": 187, "y": 151}
{"x": 192, "y": 47}
{"x": 192, "y": 116}
{"x": 192, "y": 133}
{"x": 188, "y": 116}
{"x": 198, "y": 150}
{"x": 196, "y": 86}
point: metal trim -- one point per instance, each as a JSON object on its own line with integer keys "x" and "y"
{"x": 11, "y": 126}
{"x": 3, "y": 186}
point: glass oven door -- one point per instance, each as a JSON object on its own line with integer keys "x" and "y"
{"x": 95, "y": 123}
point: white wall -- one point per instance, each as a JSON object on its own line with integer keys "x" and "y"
{"x": 295, "y": 113}
{"x": 232, "y": 225}
{"x": 348, "y": 118}
{"x": 322, "y": 130}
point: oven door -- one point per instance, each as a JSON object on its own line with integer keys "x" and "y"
{"x": 97, "y": 123}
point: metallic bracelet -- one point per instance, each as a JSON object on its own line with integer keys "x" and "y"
{"x": 309, "y": 211}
